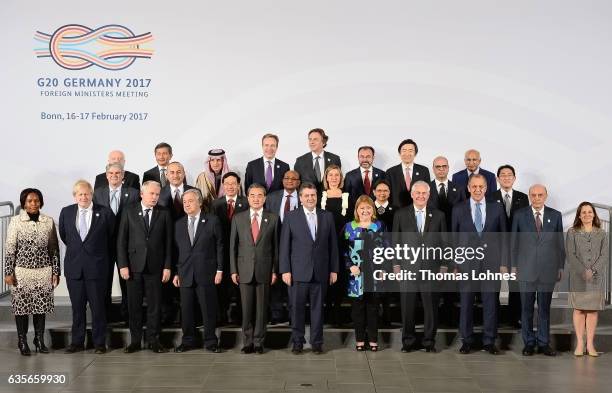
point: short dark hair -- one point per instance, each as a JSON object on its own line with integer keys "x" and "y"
{"x": 408, "y": 142}
{"x": 256, "y": 185}
{"x": 24, "y": 195}
{"x": 366, "y": 148}
{"x": 321, "y": 132}
{"x": 382, "y": 181}
{"x": 228, "y": 174}
{"x": 507, "y": 166}
{"x": 306, "y": 185}
{"x": 163, "y": 145}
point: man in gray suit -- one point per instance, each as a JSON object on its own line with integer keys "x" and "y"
{"x": 538, "y": 256}
{"x": 254, "y": 264}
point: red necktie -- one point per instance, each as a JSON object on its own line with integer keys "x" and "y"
{"x": 254, "y": 227}
{"x": 230, "y": 209}
{"x": 287, "y": 203}
{"x": 366, "y": 182}
{"x": 408, "y": 179}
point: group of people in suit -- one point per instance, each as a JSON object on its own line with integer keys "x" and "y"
{"x": 298, "y": 237}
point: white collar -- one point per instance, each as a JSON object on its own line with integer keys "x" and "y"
{"x": 314, "y": 155}
{"x": 306, "y": 211}
{"x": 377, "y": 204}
{"x": 89, "y": 209}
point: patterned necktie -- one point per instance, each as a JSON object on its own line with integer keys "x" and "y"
{"x": 287, "y": 203}
{"x": 317, "y": 169}
{"x": 178, "y": 205}
{"x": 367, "y": 185}
{"x": 83, "y": 224}
{"x": 114, "y": 202}
{"x": 191, "y": 229}
{"x": 312, "y": 224}
{"x": 269, "y": 175}
{"x": 442, "y": 199}
{"x": 408, "y": 178}
{"x": 146, "y": 218}
{"x": 254, "y": 227}
{"x": 419, "y": 219}
{"x": 230, "y": 209}
{"x": 538, "y": 222}
{"x": 478, "y": 218}
{"x": 162, "y": 177}
{"x": 508, "y": 204}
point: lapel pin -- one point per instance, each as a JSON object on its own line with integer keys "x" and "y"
{"x": 454, "y": 189}
{"x": 329, "y": 160}
{"x": 240, "y": 205}
{"x": 98, "y": 215}
{"x": 429, "y": 214}
{"x": 548, "y": 220}
{"x": 376, "y": 175}
{"x": 417, "y": 173}
{"x": 203, "y": 220}
{"x": 265, "y": 220}
{"x": 390, "y": 208}
{"x": 140, "y": 213}
{"x": 126, "y": 195}
{"x": 498, "y": 201}
{"x": 278, "y": 167}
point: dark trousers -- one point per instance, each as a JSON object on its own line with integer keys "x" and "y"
{"x": 489, "y": 316}
{"x": 170, "y": 303}
{"x": 254, "y": 297}
{"x": 530, "y": 292}
{"x": 364, "y": 312}
{"x": 206, "y": 295}
{"x": 408, "y": 298}
{"x": 514, "y": 303}
{"x": 139, "y": 286}
{"x": 278, "y": 297}
{"x": 226, "y": 293}
{"x": 82, "y": 292}
{"x": 109, "y": 294}
{"x": 300, "y": 294}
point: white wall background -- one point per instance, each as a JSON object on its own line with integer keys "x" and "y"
{"x": 525, "y": 82}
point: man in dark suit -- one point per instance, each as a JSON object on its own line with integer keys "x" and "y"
{"x": 87, "y": 231}
{"x": 267, "y": 170}
{"x": 130, "y": 179}
{"x": 511, "y": 200}
{"x": 171, "y": 194}
{"x": 200, "y": 246}
{"x": 538, "y": 257}
{"x": 163, "y": 156}
{"x": 282, "y": 202}
{"x": 472, "y": 166}
{"x": 479, "y": 225}
{"x": 116, "y": 197}
{"x": 308, "y": 263}
{"x": 144, "y": 256}
{"x": 225, "y": 208}
{"x": 418, "y": 225}
{"x": 254, "y": 265}
{"x": 403, "y": 175}
{"x": 360, "y": 181}
{"x": 311, "y": 166}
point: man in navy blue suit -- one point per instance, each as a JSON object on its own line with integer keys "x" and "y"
{"x": 472, "y": 166}
{"x": 87, "y": 231}
{"x": 360, "y": 181}
{"x": 267, "y": 170}
{"x": 538, "y": 256}
{"x": 308, "y": 263}
{"x": 477, "y": 223}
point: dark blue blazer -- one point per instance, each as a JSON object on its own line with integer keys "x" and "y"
{"x": 88, "y": 259}
{"x": 305, "y": 259}
{"x": 461, "y": 180}
{"x": 255, "y": 174}
{"x": 537, "y": 258}
{"x": 493, "y": 238}
{"x": 353, "y": 184}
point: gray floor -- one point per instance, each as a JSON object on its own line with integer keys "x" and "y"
{"x": 339, "y": 370}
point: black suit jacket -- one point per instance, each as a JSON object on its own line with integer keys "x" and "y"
{"x": 254, "y": 260}
{"x": 166, "y": 199}
{"x": 304, "y": 165}
{"x": 519, "y": 201}
{"x": 137, "y": 248}
{"x": 461, "y": 180}
{"x": 275, "y": 199}
{"x": 353, "y": 183}
{"x": 400, "y": 195}
{"x": 454, "y": 196}
{"x": 201, "y": 261}
{"x": 152, "y": 174}
{"x": 255, "y": 173}
{"x": 89, "y": 258}
{"x": 129, "y": 180}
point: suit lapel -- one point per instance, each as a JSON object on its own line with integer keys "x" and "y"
{"x": 199, "y": 228}
{"x": 95, "y": 217}
{"x": 263, "y": 226}
{"x": 304, "y": 220}
{"x": 154, "y": 218}
{"x": 105, "y": 196}
{"x": 428, "y": 218}
{"x": 140, "y": 217}
{"x": 468, "y": 213}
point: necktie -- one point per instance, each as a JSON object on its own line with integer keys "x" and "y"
{"x": 162, "y": 177}
{"x": 312, "y": 224}
{"x": 114, "y": 202}
{"x": 419, "y": 219}
{"x": 538, "y": 221}
{"x": 317, "y": 169}
{"x": 478, "y": 218}
{"x": 287, "y": 203}
{"x": 408, "y": 178}
{"x": 83, "y": 224}
{"x": 269, "y": 175}
{"x": 508, "y": 204}
{"x": 178, "y": 205}
{"x": 230, "y": 209}
{"x": 254, "y": 227}
{"x": 146, "y": 218}
{"x": 191, "y": 229}
{"x": 442, "y": 199}
{"x": 366, "y": 182}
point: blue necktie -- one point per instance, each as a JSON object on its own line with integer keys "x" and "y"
{"x": 312, "y": 225}
{"x": 478, "y": 218}
{"x": 83, "y": 224}
{"x": 419, "y": 219}
{"x": 114, "y": 202}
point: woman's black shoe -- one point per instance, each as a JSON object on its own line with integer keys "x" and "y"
{"x": 39, "y": 343}
{"x": 22, "y": 344}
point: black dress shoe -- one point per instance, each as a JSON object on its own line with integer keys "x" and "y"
{"x": 317, "y": 349}
{"x": 100, "y": 349}
{"x": 465, "y": 349}
{"x": 430, "y": 348}
{"x": 547, "y": 351}
{"x": 214, "y": 348}
{"x": 407, "y": 348}
{"x": 157, "y": 348}
{"x": 74, "y": 348}
{"x": 491, "y": 348}
{"x": 183, "y": 348}
{"x": 132, "y": 348}
{"x": 528, "y": 350}
{"x": 258, "y": 349}
{"x": 248, "y": 349}
{"x": 297, "y": 348}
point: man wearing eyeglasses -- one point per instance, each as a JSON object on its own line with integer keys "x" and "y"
{"x": 445, "y": 194}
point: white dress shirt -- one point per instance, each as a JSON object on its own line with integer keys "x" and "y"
{"x": 483, "y": 210}
{"x": 423, "y": 216}
{"x": 293, "y": 202}
{"x": 88, "y": 214}
{"x": 321, "y": 162}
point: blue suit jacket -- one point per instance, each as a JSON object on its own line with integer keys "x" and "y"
{"x": 353, "y": 184}
{"x": 304, "y": 258}
{"x": 255, "y": 173}
{"x": 88, "y": 259}
{"x": 461, "y": 180}
{"x": 537, "y": 258}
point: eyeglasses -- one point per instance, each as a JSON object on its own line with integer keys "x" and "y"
{"x": 440, "y": 166}
{"x": 291, "y": 178}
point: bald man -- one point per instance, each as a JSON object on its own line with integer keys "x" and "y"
{"x": 129, "y": 179}
{"x": 472, "y": 166}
